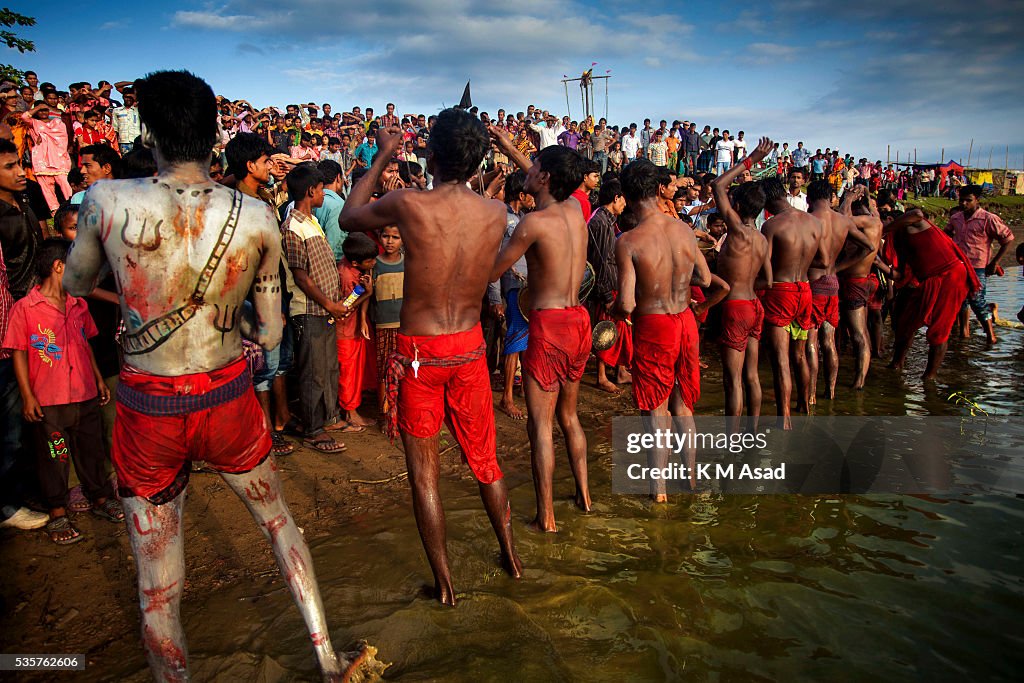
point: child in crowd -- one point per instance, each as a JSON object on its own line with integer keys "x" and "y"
{"x": 61, "y": 390}
{"x": 388, "y": 281}
{"x": 65, "y": 221}
{"x": 354, "y": 269}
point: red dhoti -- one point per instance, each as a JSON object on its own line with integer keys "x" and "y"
{"x": 356, "y": 371}
{"x": 666, "y": 352}
{"x": 742, "y": 319}
{"x": 825, "y": 301}
{"x": 935, "y": 304}
{"x": 559, "y": 346}
{"x": 163, "y": 423}
{"x": 452, "y": 381}
{"x": 787, "y": 303}
{"x": 857, "y": 292}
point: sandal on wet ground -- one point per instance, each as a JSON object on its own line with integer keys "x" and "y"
{"x": 324, "y": 443}
{"x": 280, "y": 445}
{"x": 62, "y": 532}
{"x": 109, "y": 510}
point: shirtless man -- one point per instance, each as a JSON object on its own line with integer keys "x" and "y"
{"x": 451, "y": 235}
{"x": 658, "y": 262}
{"x": 554, "y": 239}
{"x": 742, "y": 260}
{"x": 186, "y": 253}
{"x": 794, "y": 241}
{"x": 836, "y": 228}
{"x": 857, "y": 282}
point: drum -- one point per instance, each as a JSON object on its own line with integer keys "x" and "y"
{"x": 604, "y": 336}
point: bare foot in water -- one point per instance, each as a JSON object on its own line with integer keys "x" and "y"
{"x": 605, "y": 385}
{"x": 537, "y": 525}
{"x": 358, "y": 666}
{"x": 583, "y": 500}
{"x": 444, "y": 593}
{"x": 660, "y": 498}
{"x": 508, "y": 407}
{"x": 512, "y": 565}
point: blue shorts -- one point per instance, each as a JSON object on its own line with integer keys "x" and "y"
{"x": 977, "y": 301}
{"x": 276, "y": 362}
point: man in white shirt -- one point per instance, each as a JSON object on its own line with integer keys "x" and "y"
{"x": 724, "y": 153}
{"x": 739, "y": 147}
{"x": 630, "y": 144}
{"x": 548, "y": 133}
{"x": 796, "y": 197}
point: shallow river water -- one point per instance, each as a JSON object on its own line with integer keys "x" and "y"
{"x": 716, "y": 588}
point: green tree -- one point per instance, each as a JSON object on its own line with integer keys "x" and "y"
{"x": 10, "y": 19}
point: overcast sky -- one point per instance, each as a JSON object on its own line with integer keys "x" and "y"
{"x": 853, "y": 75}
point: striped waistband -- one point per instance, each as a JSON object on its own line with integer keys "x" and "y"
{"x": 162, "y": 406}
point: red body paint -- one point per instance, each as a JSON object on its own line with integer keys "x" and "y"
{"x": 158, "y": 598}
{"x": 165, "y": 649}
{"x": 260, "y": 492}
{"x": 274, "y": 526}
{"x": 295, "y": 576}
{"x": 317, "y": 639}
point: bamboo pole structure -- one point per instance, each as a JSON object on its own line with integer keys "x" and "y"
{"x": 971, "y": 149}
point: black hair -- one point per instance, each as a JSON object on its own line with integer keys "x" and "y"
{"x": 973, "y": 190}
{"x": 565, "y": 168}
{"x": 796, "y": 169}
{"x": 640, "y": 180}
{"x": 139, "y": 163}
{"x": 748, "y": 199}
{"x": 7, "y": 147}
{"x": 31, "y": 73}
{"x": 774, "y": 190}
{"x": 359, "y": 246}
{"x": 302, "y": 179}
{"x": 53, "y": 249}
{"x": 407, "y": 170}
{"x": 885, "y": 198}
{"x": 75, "y": 176}
{"x": 820, "y": 189}
{"x": 590, "y": 166}
{"x": 716, "y": 216}
{"x": 458, "y": 142}
{"x": 331, "y": 140}
{"x": 104, "y": 156}
{"x": 609, "y": 191}
{"x": 62, "y": 212}
{"x": 514, "y": 186}
{"x": 628, "y": 219}
{"x": 329, "y": 170}
{"x": 180, "y": 110}
{"x": 242, "y": 149}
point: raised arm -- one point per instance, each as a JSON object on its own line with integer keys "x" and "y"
{"x": 720, "y": 185}
{"x": 513, "y": 250}
{"x": 361, "y": 215}
{"x": 85, "y": 256}
{"x": 508, "y": 149}
{"x": 912, "y": 217}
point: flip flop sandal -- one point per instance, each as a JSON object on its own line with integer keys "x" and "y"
{"x": 60, "y": 526}
{"x": 349, "y": 428}
{"x": 325, "y": 446}
{"x": 110, "y": 510}
{"x": 280, "y": 445}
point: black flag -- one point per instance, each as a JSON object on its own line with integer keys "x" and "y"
{"x": 466, "y": 102}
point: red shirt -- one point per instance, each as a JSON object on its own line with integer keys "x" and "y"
{"x": 584, "y": 201}
{"x": 59, "y": 360}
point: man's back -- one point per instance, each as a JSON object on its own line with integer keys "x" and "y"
{"x": 662, "y": 250}
{"x": 834, "y": 229}
{"x": 185, "y": 257}
{"x": 741, "y": 260}
{"x": 557, "y": 256}
{"x": 448, "y": 230}
{"x": 794, "y": 237}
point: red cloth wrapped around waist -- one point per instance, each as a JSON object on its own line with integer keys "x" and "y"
{"x": 182, "y": 394}
{"x": 442, "y": 350}
{"x": 787, "y": 302}
{"x": 559, "y": 345}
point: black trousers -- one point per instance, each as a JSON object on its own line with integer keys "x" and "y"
{"x": 316, "y": 361}
{"x": 73, "y": 431}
